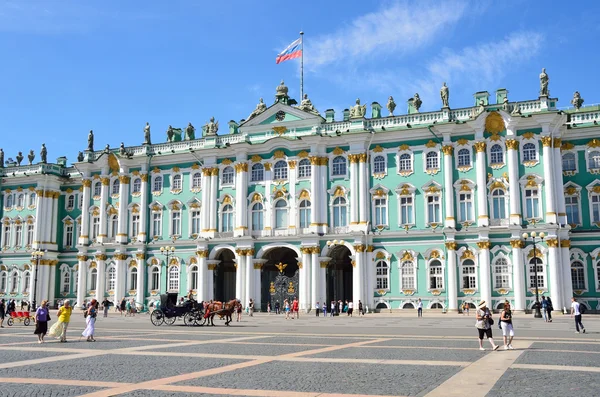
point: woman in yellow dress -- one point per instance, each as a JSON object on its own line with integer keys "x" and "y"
{"x": 59, "y": 329}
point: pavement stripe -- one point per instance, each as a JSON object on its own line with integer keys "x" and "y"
{"x": 556, "y": 367}
{"x": 256, "y": 393}
{"x": 62, "y": 382}
{"x": 478, "y": 378}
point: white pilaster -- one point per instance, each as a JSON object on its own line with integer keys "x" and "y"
{"x": 102, "y": 236}
{"x": 485, "y": 282}
{"x": 241, "y": 191}
{"x": 316, "y": 196}
{"x": 363, "y": 188}
{"x": 313, "y": 254}
{"x": 51, "y": 282}
{"x": 121, "y": 288}
{"x": 39, "y": 221}
{"x": 239, "y": 281}
{"x": 354, "y": 202}
{"x": 213, "y": 199}
{"x": 206, "y": 206}
{"x": 101, "y": 281}
{"x": 202, "y": 292}
{"x": 85, "y": 214}
{"x": 249, "y": 279}
{"x": 512, "y": 147}
{"x": 257, "y": 271}
{"x": 141, "y": 277}
{"x": 554, "y": 270}
{"x": 567, "y": 285}
{"x": 450, "y": 220}
{"x": 518, "y": 273}
{"x": 358, "y": 274}
{"x": 482, "y": 205}
{"x": 323, "y": 176}
{"x": 547, "y": 158}
{"x": 306, "y": 274}
{"x": 452, "y": 282}
{"x": 122, "y": 236}
{"x": 54, "y": 218}
{"x": 82, "y": 269}
{"x": 143, "y": 233}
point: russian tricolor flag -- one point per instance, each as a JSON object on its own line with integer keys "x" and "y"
{"x": 292, "y": 51}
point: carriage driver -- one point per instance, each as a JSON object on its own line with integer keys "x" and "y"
{"x": 190, "y": 295}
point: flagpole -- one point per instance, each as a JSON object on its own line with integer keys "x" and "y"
{"x": 302, "y": 66}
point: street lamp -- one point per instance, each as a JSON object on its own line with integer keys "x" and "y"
{"x": 36, "y": 256}
{"x": 167, "y": 251}
{"x": 533, "y": 235}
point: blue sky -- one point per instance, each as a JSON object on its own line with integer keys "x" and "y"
{"x": 69, "y": 66}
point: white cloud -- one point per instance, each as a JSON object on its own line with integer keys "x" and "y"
{"x": 397, "y": 28}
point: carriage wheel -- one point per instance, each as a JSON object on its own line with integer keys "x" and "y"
{"x": 10, "y": 322}
{"x": 189, "y": 319}
{"x": 26, "y": 321}
{"x": 170, "y": 320}
{"x": 157, "y": 318}
{"x": 200, "y": 320}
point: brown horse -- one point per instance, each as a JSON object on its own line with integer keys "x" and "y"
{"x": 220, "y": 309}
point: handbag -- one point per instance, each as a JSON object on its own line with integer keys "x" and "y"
{"x": 490, "y": 321}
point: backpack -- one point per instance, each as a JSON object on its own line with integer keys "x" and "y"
{"x": 85, "y": 314}
{"x": 582, "y": 308}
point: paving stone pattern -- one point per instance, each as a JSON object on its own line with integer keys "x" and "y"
{"x": 159, "y": 393}
{"x": 333, "y": 378}
{"x": 283, "y": 340}
{"x": 11, "y": 356}
{"x": 473, "y": 344}
{"x": 563, "y": 358}
{"x": 583, "y": 347}
{"x": 29, "y": 390}
{"x": 403, "y": 354}
{"x": 538, "y": 383}
{"x": 239, "y": 349}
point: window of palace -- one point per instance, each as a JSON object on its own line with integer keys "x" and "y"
{"x": 227, "y": 175}
{"x": 97, "y": 189}
{"x": 380, "y": 211}
{"x": 113, "y": 226}
{"x": 597, "y": 275}
{"x": 196, "y": 180}
{"x": 464, "y": 158}
{"x": 176, "y": 183}
{"x": 156, "y": 224}
{"x": 75, "y": 278}
{"x": 18, "y": 233}
{"x": 133, "y": 275}
{"x": 95, "y": 226}
{"x": 173, "y": 279}
{"x": 594, "y": 161}
{"x": 26, "y": 281}
{"x": 528, "y": 147}
{"x": 502, "y": 273}
{"x": 175, "y": 223}
{"x": 465, "y": 206}
{"x": 379, "y": 165}
{"x": 258, "y": 173}
{"x": 65, "y": 279}
{"x": 155, "y": 278}
{"x": 529, "y": 152}
{"x": 134, "y": 230}
{"x": 382, "y": 275}
{"x": 432, "y": 162}
{"x": 408, "y": 276}
{"x": 532, "y": 203}
{"x": 114, "y": 191}
{"x": 281, "y": 214}
{"x": 595, "y": 207}
{"x": 280, "y": 170}
{"x": 304, "y": 169}
{"x": 498, "y": 204}
{"x": 68, "y": 234}
{"x": 195, "y": 215}
{"x": 93, "y": 279}
{"x": 32, "y": 200}
{"x": 304, "y": 214}
{"x": 578, "y": 276}
{"x": 572, "y": 209}
{"x": 30, "y": 230}
{"x": 14, "y": 282}
{"x": 70, "y": 202}
{"x": 434, "y": 209}
{"x": 6, "y": 228}
{"x": 339, "y": 213}
{"x": 193, "y": 281}
{"x": 20, "y": 200}
{"x": 541, "y": 279}
{"x": 468, "y": 274}
{"x": 9, "y": 201}
{"x": 227, "y": 218}
{"x": 3, "y": 281}
{"x": 111, "y": 278}
{"x": 496, "y": 154}
{"x": 569, "y": 163}
{"x": 436, "y": 275}
{"x": 406, "y": 207}
{"x": 339, "y": 166}
{"x": 136, "y": 186}
{"x": 258, "y": 213}
{"x": 405, "y": 164}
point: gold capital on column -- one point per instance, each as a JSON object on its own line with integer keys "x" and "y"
{"x": 87, "y": 182}
{"x": 144, "y": 177}
{"x": 451, "y": 245}
{"x": 512, "y": 144}
{"x": 105, "y": 181}
{"x": 552, "y": 242}
{"x": 124, "y": 179}
{"x": 517, "y": 243}
{"x": 202, "y": 253}
{"x": 479, "y": 146}
{"x": 447, "y": 150}
{"x": 565, "y": 244}
{"x": 484, "y": 245}
{"x": 546, "y": 141}
{"x": 360, "y": 248}
{"x": 82, "y": 258}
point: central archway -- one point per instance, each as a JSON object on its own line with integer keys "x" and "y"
{"x": 339, "y": 275}
{"x": 224, "y": 276}
{"x": 278, "y": 283}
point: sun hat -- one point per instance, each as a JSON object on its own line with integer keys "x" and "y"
{"x": 481, "y": 305}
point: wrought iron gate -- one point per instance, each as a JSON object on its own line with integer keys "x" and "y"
{"x": 283, "y": 287}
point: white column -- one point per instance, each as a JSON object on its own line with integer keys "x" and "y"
{"x": 241, "y": 192}
{"x": 354, "y": 201}
{"x": 448, "y": 190}
{"x": 39, "y": 221}
{"x": 321, "y": 287}
{"x": 518, "y": 273}
{"x": 485, "y": 285}
{"x": 44, "y": 280}
{"x": 122, "y": 236}
{"x": 370, "y": 284}
{"x": 82, "y": 269}
{"x": 558, "y": 180}
{"x": 85, "y": 213}
{"x": 567, "y": 285}
{"x": 316, "y": 196}
{"x": 54, "y": 218}
{"x": 100, "y": 284}
{"x": 239, "y": 281}
{"x": 257, "y": 265}
{"x": 363, "y": 187}
{"x": 293, "y": 224}
{"x": 214, "y": 172}
{"x": 554, "y": 270}
{"x": 249, "y": 278}
{"x": 512, "y": 147}
{"x": 302, "y": 284}
{"x": 482, "y": 206}
{"x": 313, "y": 254}
{"x": 358, "y": 274}
{"x": 121, "y": 287}
{"x": 323, "y": 176}
{"x": 52, "y": 281}
{"x": 141, "y": 278}
{"x": 142, "y": 236}
{"x": 210, "y": 280}
{"x": 547, "y": 159}
{"x": 47, "y": 218}
{"x": 102, "y": 236}
{"x": 452, "y": 282}
{"x": 202, "y": 292}
{"x": 307, "y": 277}
{"x": 206, "y": 206}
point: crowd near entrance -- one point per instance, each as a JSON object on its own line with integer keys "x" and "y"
{"x": 279, "y": 278}
{"x": 338, "y": 276}
{"x": 224, "y": 276}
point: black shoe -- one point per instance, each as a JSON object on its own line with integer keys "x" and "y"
{"x": 584, "y": 330}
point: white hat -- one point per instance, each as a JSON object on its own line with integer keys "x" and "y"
{"x": 481, "y": 305}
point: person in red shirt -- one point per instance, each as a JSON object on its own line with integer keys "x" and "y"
{"x": 295, "y": 311}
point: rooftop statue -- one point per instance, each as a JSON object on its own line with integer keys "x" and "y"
{"x": 505, "y": 105}
{"x": 107, "y": 148}
{"x": 544, "y": 83}
{"x": 261, "y": 107}
{"x": 122, "y": 150}
{"x": 358, "y": 110}
{"x": 31, "y": 157}
{"x": 577, "y": 100}
{"x": 19, "y": 158}
{"x": 44, "y": 154}
{"x": 212, "y": 127}
{"x": 90, "y": 146}
{"x": 417, "y": 102}
{"x": 80, "y": 157}
{"x": 190, "y": 132}
{"x": 391, "y": 105}
{"x": 1, "y": 158}
{"x": 307, "y": 105}
{"x": 516, "y": 110}
{"x": 281, "y": 95}
{"x": 147, "y": 140}
{"x": 170, "y": 134}
{"x": 445, "y": 95}
{"x": 480, "y": 108}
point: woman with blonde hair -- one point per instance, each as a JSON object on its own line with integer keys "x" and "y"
{"x": 90, "y": 320}
{"x": 59, "y": 329}
{"x": 42, "y": 316}
{"x": 507, "y": 327}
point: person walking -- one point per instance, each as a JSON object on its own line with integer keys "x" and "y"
{"x": 332, "y": 308}
{"x": 544, "y": 305}
{"x": 59, "y": 329}
{"x": 277, "y": 307}
{"x": 105, "y": 307}
{"x": 295, "y": 309}
{"x": 317, "y": 308}
{"x": 251, "y": 306}
{"x": 549, "y": 309}
{"x": 483, "y": 325}
{"x": 350, "y": 308}
{"x": 419, "y": 308}
{"x": 286, "y": 308}
{"x": 42, "y": 316}
{"x": 340, "y": 307}
{"x": 2, "y": 311}
{"x": 324, "y": 309}
{"x": 90, "y": 322}
{"x": 122, "y": 306}
{"x": 508, "y": 332}
{"x": 127, "y": 308}
{"x": 269, "y": 307}
{"x": 576, "y": 312}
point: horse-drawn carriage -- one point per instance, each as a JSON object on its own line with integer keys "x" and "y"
{"x": 168, "y": 311}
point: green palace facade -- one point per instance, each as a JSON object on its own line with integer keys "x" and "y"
{"x": 368, "y": 206}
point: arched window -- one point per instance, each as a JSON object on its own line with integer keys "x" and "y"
{"x": 382, "y": 275}
{"x": 95, "y": 227}
{"x": 465, "y": 207}
{"x": 70, "y": 202}
{"x": 137, "y": 185}
{"x": 18, "y": 234}
{"x": 594, "y": 160}
{"x": 228, "y": 174}
{"x": 174, "y": 278}
{"x": 464, "y": 158}
{"x": 304, "y": 170}
{"x": 572, "y": 209}
{"x": 258, "y": 172}
{"x": 569, "y": 163}
{"x": 194, "y": 277}
{"x": 175, "y": 223}
{"x": 26, "y": 281}
{"x": 431, "y": 161}
{"x": 408, "y": 276}
{"x": 280, "y": 170}
{"x": 536, "y": 264}
{"x": 3, "y": 282}
{"x": 469, "y": 274}
{"x": 196, "y": 221}
{"x": 380, "y": 204}
{"x": 281, "y": 214}
{"x": 304, "y": 214}
{"x": 379, "y": 165}
{"x": 155, "y": 278}
{"x": 405, "y": 163}
{"x": 6, "y": 235}
{"x": 158, "y": 184}
{"x": 114, "y": 226}
{"x": 532, "y": 203}
{"x": 578, "y": 275}
{"x": 66, "y": 281}
{"x": 436, "y": 275}
{"x": 529, "y": 152}
{"x": 339, "y": 212}
{"x": 498, "y": 204}
{"x": 339, "y": 166}
{"x": 501, "y": 273}
{"x": 111, "y": 278}
{"x": 75, "y": 277}
{"x": 496, "y": 154}
{"x": 133, "y": 275}
{"x": 14, "y": 282}
{"x": 257, "y": 216}
{"x": 68, "y": 234}
{"x": 32, "y": 198}
{"x": 93, "y": 279}
{"x": 97, "y": 189}
{"x": 227, "y": 218}
{"x": 20, "y": 200}
{"x": 196, "y": 180}
{"x": 115, "y": 187}
{"x": 9, "y": 201}
{"x": 176, "y": 182}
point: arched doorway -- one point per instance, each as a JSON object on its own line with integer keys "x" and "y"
{"x": 339, "y": 275}
{"x": 279, "y": 277}
{"x": 224, "y": 276}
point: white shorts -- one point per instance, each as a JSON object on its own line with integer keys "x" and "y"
{"x": 507, "y": 329}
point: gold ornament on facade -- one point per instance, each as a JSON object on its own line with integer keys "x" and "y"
{"x": 256, "y": 197}
{"x": 497, "y": 185}
{"x": 241, "y": 167}
{"x": 451, "y": 246}
{"x": 267, "y": 166}
{"x": 381, "y": 292}
{"x": 407, "y": 256}
{"x": 370, "y": 248}
{"x": 144, "y": 177}
{"x": 557, "y": 142}
{"x": 546, "y": 141}
{"x": 256, "y": 158}
{"x": 462, "y": 142}
{"x": 305, "y": 250}
{"x": 517, "y": 243}
{"x": 594, "y": 143}
{"x": 484, "y": 245}
{"x": 292, "y": 164}
{"x": 377, "y": 149}
{"x": 176, "y": 169}
{"x": 303, "y": 154}
{"x": 528, "y": 135}
{"x": 315, "y": 250}
{"x": 360, "y": 248}
{"x": 552, "y": 242}
{"x": 362, "y": 157}
{"x": 212, "y": 266}
{"x": 279, "y": 154}
{"x": 353, "y": 262}
{"x": 339, "y": 192}
{"x": 432, "y": 189}
{"x": 101, "y": 257}
{"x": 403, "y": 147}
{"x": 124, "y": 179}
{"x": 195, "y": 166}
{"x": 447, "y": 150}
{"x": 353, "y": 158}
{"x": 87, "y": 182}
{"x": 408, "y": 292}
{"x": 227, "y": 200}
{"x": 469, "y": 291}
{"x": 565, "y": 244}
{"x": 323, "y": 161}
{"x": 120, "y": 257}
{"x": 338, "y": 151}
{"x": 494, "y": 124}
{"x": 202, "y": 253}
{"x": 105, "y": 181}
{"x": 512, "y": 144}
{"x": 82, "y": 258}
{"x": 431, "y": 144}
{"x": 435, "y": 255}
{"x": 226, "y": 161}
{"x": 479, "y": 147}
{"x": 280, "y": 130}
{"x": 69, "y": 190}
{"x": 467, "y": 254}
{"x": 156, "y": 170}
